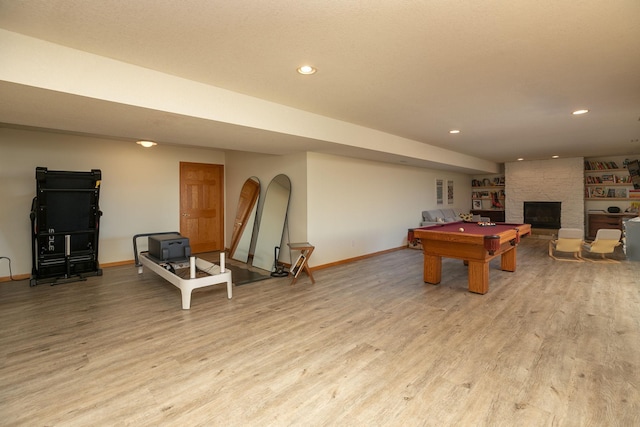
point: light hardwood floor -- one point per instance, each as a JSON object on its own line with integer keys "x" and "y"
{"x": 553, "y": 344}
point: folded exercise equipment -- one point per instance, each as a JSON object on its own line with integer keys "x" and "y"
{"x": 65, "y": 219}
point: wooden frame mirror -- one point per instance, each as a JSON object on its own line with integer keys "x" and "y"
{"x": 245, "y": 220}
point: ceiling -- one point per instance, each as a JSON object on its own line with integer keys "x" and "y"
{"x": 506, "y": 73}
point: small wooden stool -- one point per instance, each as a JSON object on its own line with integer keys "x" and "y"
{"x": 302, "y": 263}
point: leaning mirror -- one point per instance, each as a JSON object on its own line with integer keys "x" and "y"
{"x": 245, "y": 220}
{"x": 272, "y": 221}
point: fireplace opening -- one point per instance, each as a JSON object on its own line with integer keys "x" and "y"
{"x": 542, "y": 214}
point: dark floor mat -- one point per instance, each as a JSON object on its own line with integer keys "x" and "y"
{"x": 243, "y": 276}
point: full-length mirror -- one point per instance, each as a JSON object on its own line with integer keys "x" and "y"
{"x": 245, "y": 220}
{"x": 272, "y": 221}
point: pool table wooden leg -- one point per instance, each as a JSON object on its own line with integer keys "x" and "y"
{"x": 508, "y": 260}
{"x": 478, "y": 277}
{"x": 432, "y": 269}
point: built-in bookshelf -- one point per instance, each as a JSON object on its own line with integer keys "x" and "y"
{"x": 488, "y": 196}
{"x": 610, "y": 197}
{"x": 608, "y": 180}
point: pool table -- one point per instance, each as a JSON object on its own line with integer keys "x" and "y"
{"x": 476, "y": 245}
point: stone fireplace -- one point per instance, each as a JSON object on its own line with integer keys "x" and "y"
{"x": 556, "y": 181}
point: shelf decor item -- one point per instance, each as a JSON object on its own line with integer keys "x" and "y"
{"x": 495, "y": 201}
{"x": 634, "y": 173}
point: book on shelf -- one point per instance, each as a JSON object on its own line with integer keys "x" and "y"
{"x": 598, "y": 165}
{"x": 607, "y": 179}
{"x": 621, "y": 193}
{"x": 634, "y": 194}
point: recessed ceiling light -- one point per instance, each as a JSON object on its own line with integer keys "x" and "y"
{"x": 146, "y": 144}
{"x": 555, "y": 157}
{"x": 578, "y": 112}
{"x": 519, "y": 159}
{"x": 306, "y": 70}
{"x": 454, "y": 131}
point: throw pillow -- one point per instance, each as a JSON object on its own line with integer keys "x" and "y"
{"x": 466, "y": 217}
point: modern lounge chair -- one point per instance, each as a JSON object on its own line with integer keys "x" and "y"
{"x": 605, "y": 243}
{"x": 569, "y": 240}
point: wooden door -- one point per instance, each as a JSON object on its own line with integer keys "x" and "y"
{"x": 202, "y": 206}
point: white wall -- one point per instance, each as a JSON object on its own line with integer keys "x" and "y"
{"x": 556, "y": 180}
{"x": 345, "y": 207}
{"x": 358, "y": 207}
{"x": 139, "y": 192}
